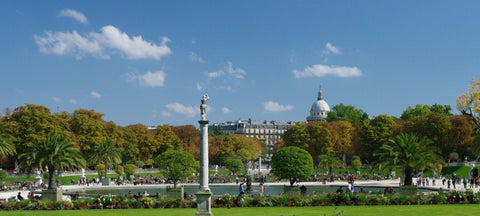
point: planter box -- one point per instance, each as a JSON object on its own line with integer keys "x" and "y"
{"x": 175, "y": 192}
{"x": 291, "y": 191}
{"x": 408, "y": 189}
{"x": 105, "y": 181}
{"x": 54, "y": 195}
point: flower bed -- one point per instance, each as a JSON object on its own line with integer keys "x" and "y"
{"x": 229, "y": 201}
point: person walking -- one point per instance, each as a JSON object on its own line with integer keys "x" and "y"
{"x": 261, "y": 189}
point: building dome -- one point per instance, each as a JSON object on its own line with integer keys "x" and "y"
{"x": 319, "y": 109}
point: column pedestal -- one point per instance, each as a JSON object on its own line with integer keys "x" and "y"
{"x": 204, "y": 203}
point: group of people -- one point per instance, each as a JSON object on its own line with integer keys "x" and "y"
{"x": 242, "y": 189}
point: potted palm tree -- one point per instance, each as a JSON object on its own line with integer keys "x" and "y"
{"x": 57, "y": 152}
{"x": 106, "y": 152}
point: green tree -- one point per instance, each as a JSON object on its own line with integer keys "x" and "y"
{"x": 329, "y": 161}
{"x": 130, "y": 169}
{"x": 119, "y": 169}
{"x": 292, "y": 163}
{"x": 176, "y": 164}
{"x": 411, "y": 153}
{"x": 57, "y": 152}
{"x": 421, "y": 110}
{"x": 106, "y": 152}
{"x": 348, "y": 113}
{"x": 356, "y": 164}
{"x": 374, "y": 134}
{"x": 469, "y": 102}
{"x": 3, "y": 174}
{"x": 297, "y": 135}
{"x": 234, "y": 165}
{"x": 101, "y": 171}
{"x": 218, "y": 131}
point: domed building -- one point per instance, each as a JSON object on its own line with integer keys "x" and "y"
{"x": 319, "y": 109}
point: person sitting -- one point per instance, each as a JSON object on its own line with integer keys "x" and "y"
{"x": 19, "y": 196}
{"x": 340, "y": 190}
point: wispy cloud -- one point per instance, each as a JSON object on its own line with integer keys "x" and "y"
{"x": 149, "y": 79}
{"x": 214, "y": 74}
{"x": 109, "y": 40}
{"x": 329, "y": 48}
{"x": 73, "y": 14}
{"x": 226, "y": 110}
{"x": 272, "y": 106}
{"x": 179, "y": 108}
{"x": 95, "y": 94}
{"x": 72, "y": 101}
{"x": 199, "y": 87}
{"x": 235, "y": 73}
{"x": 320, "y": 70}
{"x": 56, "y": 99}
{"x": 196, "y": 58}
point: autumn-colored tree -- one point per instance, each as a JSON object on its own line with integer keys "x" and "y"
{"x": 469, "y": 102}
{"x": 89, "y": 128}
{"x": 146, "y": 143}
{"x": 190, "y": 137}
{"x": 128, "y": 144}
{"x": 320, "y": 139}
{"x": 30, "y": 124}
{"x": 459, "y": 137}
{"x": 297, "y": 135}
{"x": 167, "y": 139}
{"x": 341, "y": 135}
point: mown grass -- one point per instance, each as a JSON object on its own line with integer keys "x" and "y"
{"x": 457, "y": 210}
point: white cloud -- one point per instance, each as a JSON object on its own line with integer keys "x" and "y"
{"x": 329, "y": 48}
{"x": 214, "y": 74}
{"x": 320, "y": 70}
{"x": 166, "y": 113}
{"x": 56, "y": 99}
{"x": 64, "y": 43}
{"x": 196, "y": 58}
{"x": 226, "y": 110}
{"x": 95, "y": 94}
{"x": 73, "y": 101}
{"x": 199, "y": 87}
{"x": 272, "y": 106}
{"x": 179, "y": 108}
{"x": 73, "y": 14}
{"x": 149, "y": 79}
{"x": 109, "y": 40}
{"x": 133, "y": 48}
{"x": 236, "y": 73}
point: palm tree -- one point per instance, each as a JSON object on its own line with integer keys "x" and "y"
{"x": 6, "y": 142}
{"x": 411, "y": 153}
{"x": 328, "y": 161}
{"x": 57, "y": 152}
{"x": 106, "y": 152}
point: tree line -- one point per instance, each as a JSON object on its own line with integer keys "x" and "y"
{"x": 27, "y": 126}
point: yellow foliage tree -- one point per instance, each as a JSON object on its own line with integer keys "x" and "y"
{"x": 469, "y": 102}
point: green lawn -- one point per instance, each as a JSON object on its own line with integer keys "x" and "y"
{"x": 456, "y": 210}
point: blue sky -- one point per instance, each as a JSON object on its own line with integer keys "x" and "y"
{"x": 150, "y": 62}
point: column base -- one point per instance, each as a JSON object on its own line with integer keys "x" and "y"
{"x": 204, "y": 203}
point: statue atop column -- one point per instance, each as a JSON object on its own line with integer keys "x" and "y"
{"x": 203, "y": 107}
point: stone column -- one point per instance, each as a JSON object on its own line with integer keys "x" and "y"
{"x": 204, "y": 202}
